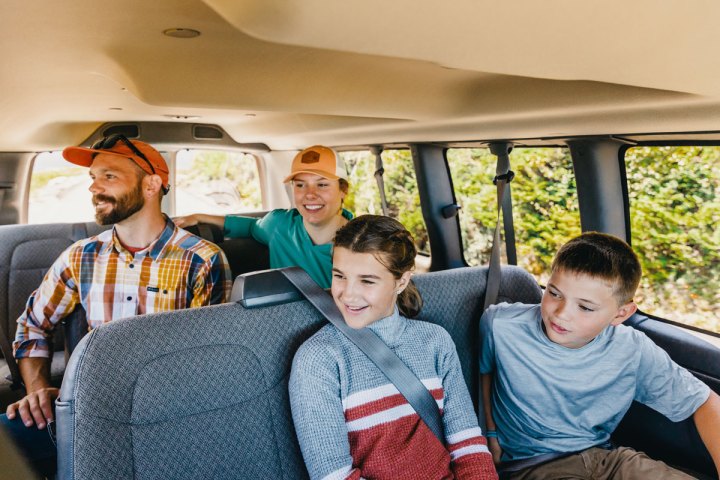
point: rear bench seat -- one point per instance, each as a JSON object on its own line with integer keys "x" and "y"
{"x": 28, "y": 251}
{"x": 203, "y": 392}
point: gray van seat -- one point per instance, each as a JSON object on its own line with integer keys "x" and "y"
{"x": 455, "y": 299}
{"x": 203, "y": 392}
{"x": 26, "y": 254}
{"x": 28, "y": 251}
{"x": 244, "y": 254}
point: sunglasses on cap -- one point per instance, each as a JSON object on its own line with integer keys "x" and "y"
{"x": 108, "y": 142}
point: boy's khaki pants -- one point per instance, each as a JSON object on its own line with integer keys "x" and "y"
{"x": 599, "y": 464}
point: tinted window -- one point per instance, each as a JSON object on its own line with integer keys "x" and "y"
{"x": 59, "y": 191}
{"x": 675, "y": 212}
{"x": 400, "y": 190}
{"x": 216, "y": 182}
{"x": 545, "y": 206}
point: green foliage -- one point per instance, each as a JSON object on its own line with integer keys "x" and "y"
{"x": 41, "y": 179}
{"x": 545, "y": 209}
{"x": 675, "y": 212}
{"x": 400, "y": 190}
{"x": 545, "y": 206}
{"x": 218, "y": 167}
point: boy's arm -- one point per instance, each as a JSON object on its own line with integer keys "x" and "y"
{"x": 493, "y": 443}
{"x": 707, "y": 421}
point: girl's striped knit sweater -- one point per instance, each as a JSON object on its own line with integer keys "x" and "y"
{"x": 352, "y": 422}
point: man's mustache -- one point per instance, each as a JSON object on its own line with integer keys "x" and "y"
{"x": 102, "y": 198}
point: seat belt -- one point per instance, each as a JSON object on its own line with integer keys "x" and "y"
{"x": 504, "y": 149}
{"x": 503, "y": 177}
{"x": 7, "y": 351}
{"x": 205, "y": 232}
{"x": 379, "y": 172}
{"x": 407, "y": 383}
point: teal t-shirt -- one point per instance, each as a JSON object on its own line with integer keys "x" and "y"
{"x": 288, "y": 241}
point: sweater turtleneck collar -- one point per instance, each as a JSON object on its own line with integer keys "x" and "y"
{"x": 390, "y": 329}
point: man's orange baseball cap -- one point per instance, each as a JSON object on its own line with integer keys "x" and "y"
{"x": 319, "y": 160}
{"x": 143, "y": 154}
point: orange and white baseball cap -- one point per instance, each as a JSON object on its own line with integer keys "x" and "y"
{"x": 143, "y": 154}
{"x": 318, "y": 160}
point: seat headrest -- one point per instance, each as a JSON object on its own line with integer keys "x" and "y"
{"x": 263, "y": 289}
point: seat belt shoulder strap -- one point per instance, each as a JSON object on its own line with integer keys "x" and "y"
{"x": 407, "y": 383}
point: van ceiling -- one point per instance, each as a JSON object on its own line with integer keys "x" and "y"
{"x": 289, "y": 73}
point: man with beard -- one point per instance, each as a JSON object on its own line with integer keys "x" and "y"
{"x": 144, "y": 264}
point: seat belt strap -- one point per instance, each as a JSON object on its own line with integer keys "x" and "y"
{"x": 407, "y": 383}
{"x": 7, "y": 352}
{"x": 503, "y": 176}
{"x": 508, "y": 225}
{"x": 379, "y": 173}
{"x": 205, "y": 231}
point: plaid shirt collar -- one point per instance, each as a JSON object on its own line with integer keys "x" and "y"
{"x": 154, "y": 250}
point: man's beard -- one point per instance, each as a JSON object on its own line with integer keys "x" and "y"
{"x": 121, "y": 208}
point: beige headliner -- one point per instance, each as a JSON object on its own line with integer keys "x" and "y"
{"x": 346, "y": 72}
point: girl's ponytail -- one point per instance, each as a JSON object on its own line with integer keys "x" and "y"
{"x": 409, "y": 301}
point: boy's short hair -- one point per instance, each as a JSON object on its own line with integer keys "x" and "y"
{"x": 603, "y": 256}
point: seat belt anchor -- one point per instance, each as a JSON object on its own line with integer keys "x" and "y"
{"x": 508, "y": 177}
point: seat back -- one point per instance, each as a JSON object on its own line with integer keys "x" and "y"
{"x": 454, "y": 299}
{"x": 243, "y": 254}
{"x": 26, "y": 254}
{"x": 187, "y": 394}
{"x": 204, "y": 392}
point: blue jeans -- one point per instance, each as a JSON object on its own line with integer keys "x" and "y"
{"x": 37, "y": 446}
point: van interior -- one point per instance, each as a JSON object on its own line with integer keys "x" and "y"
{"x": 269, "y": 78}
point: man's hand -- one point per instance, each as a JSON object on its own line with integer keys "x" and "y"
{"x": 495, "y": 449}
{"x": 35, "y": 408}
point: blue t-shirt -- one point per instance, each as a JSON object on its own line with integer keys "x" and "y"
{"x": 549, "y": 398}
{"x": 288, "y": 241}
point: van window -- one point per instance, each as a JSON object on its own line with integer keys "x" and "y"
{"x": 59, "y": 191}
{"x": 545, "y": 205}
{"x": 216, "y": 182}
{"x": 675, "y": 212}
{"x": 401, "y": 191}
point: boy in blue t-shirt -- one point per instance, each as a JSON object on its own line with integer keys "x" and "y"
{"x": 558, "y": 377}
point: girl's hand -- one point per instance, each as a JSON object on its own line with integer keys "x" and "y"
{"x": 186, "y": 221}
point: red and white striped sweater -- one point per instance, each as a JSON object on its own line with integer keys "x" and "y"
{"x": 353, "y": 423}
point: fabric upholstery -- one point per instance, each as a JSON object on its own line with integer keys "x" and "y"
{"x": 209, "y": 400}
{"x": 203, "y": 392}
{"x": 26, "y": 254}
{"x": 454, "y": 299}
